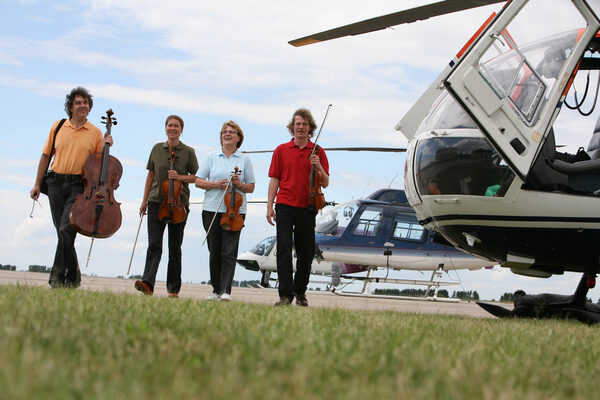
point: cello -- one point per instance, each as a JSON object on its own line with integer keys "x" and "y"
{"x": 95, "y": 212}
{"x": 171, "y": 210}
{"x": 231, "y": 220}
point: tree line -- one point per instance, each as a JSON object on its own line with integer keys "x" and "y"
{"x": 31, "y": 268}
{"x": 443, "y": 293}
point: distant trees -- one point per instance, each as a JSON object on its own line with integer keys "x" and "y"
{"x": 468, "y": 295}
{"x": 411, "y": 292}
{"x": 8, "y": 267}
{"x": 253, "y": 283}
{"x": 39, "y": 268}
{"x": 509, "y": 297}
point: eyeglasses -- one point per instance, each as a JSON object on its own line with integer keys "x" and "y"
{"x": 231, "y": 132}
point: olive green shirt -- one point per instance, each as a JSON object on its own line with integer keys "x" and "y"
{"x": 159, "y": 162}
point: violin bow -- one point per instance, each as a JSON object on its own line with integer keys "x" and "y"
{"x": 219, "y": 206}
{"x": 319, "y": 133}
{"x": 134, "y": 243}
{"x": 33, "y": 206}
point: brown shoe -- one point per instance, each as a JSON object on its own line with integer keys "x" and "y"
{"x": 173, "y": 295}
{"x": 301, "y": 301}
{"x": 143, "y": 287}
{"x": 284, "y": 301}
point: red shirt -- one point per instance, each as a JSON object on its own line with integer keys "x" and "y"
{"x": 291, "y": 166}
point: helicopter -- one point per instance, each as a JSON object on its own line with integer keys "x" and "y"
{"x": 378, "y": 232}
{"x": 482, "y": 165}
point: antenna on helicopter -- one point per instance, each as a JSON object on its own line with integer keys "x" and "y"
{"x": 393, "y": 179}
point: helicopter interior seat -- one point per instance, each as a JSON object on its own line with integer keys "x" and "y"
{"x": 583, "y": 169}
{"x": 593, "y": 149}
{"x": 543, "y": 178}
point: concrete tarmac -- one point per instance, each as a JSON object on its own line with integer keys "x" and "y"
{"x": 260, "y": 296}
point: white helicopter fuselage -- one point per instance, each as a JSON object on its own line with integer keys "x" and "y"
{"x": 403, "y": 259}
{"x": 521, "y": 229}
{"x": 482, "y": 167}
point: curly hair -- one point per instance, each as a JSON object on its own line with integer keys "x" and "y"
{"x": 306, "y": 114}
{"x": 78, "y": 91}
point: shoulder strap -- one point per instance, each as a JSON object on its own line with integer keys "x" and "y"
{"x": 60, "y": 124}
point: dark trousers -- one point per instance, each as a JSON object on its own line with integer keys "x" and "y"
{"x": 61, "y": 195}
{"x": 295, "y": 225}
{"x": 156, "y": 229}
{"x": 223, "y": 248}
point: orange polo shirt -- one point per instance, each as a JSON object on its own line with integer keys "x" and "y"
{"x": 72, "y": 146}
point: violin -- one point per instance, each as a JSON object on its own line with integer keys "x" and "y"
{"x": 316, "y": 199}
{"x": 95, "y": 212}
{"x": 232, "y": 220}
{"x": 171, "y": 210}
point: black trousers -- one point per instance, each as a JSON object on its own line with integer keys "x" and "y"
{"x": 223, "y": 248}
{"x": 295, "y": 226}
{"x": 156, "y": 229}
{"x": 62, "y": 191}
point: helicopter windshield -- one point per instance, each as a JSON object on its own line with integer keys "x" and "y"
{"x": 447, "y": 114}
{"x": 461, "y": 165}
{"x": 334, "y": 221}
{"x": 264, "y": 246}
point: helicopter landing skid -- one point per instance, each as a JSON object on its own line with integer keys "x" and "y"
{"x": 392, "y": 297}
{"x": 552, "y": 305}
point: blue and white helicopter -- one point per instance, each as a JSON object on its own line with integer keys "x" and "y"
{"x": 482, "y": 167}
{"x": 380, "y": 232}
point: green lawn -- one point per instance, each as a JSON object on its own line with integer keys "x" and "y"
{"x": 63, "y": 344}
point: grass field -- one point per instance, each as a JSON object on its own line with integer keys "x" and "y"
{"x": 64, "y": 344}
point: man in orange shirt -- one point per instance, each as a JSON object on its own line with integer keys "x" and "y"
{"x": 76, "y": 139}
{"x": 290, "y": 181}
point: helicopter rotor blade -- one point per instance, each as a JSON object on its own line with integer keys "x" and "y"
{"x": 397, "y": 18}
{"x": 376, "y": 149}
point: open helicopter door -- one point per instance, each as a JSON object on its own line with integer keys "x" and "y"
{"x": 514, "y": 90}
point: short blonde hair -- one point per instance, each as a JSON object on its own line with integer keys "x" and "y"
{"x": 236, "y": 128}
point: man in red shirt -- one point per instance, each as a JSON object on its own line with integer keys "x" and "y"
{"x": 290, "y": 182}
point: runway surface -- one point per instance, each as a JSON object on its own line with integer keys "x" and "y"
{"x": 258, "y": 295}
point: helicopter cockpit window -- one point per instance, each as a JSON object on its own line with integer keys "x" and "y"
{"x": 369, "y": 222}
{"x": 461, "y": 165}
{"x": 335, "y": 220}
{"x": 264, "y": 246}
{"x": 406, "y": 227}
{"x": 524, "y": 63}
{"x": 447, "y": 114}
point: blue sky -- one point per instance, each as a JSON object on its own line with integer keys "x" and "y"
{"x": 210, "y": 63}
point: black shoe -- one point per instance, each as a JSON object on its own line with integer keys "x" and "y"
{"x": 284, "y": 301}
{"x": 56, "y": 284}
{"x": 301, "y": 301}
{"x": 71, "y": 285}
